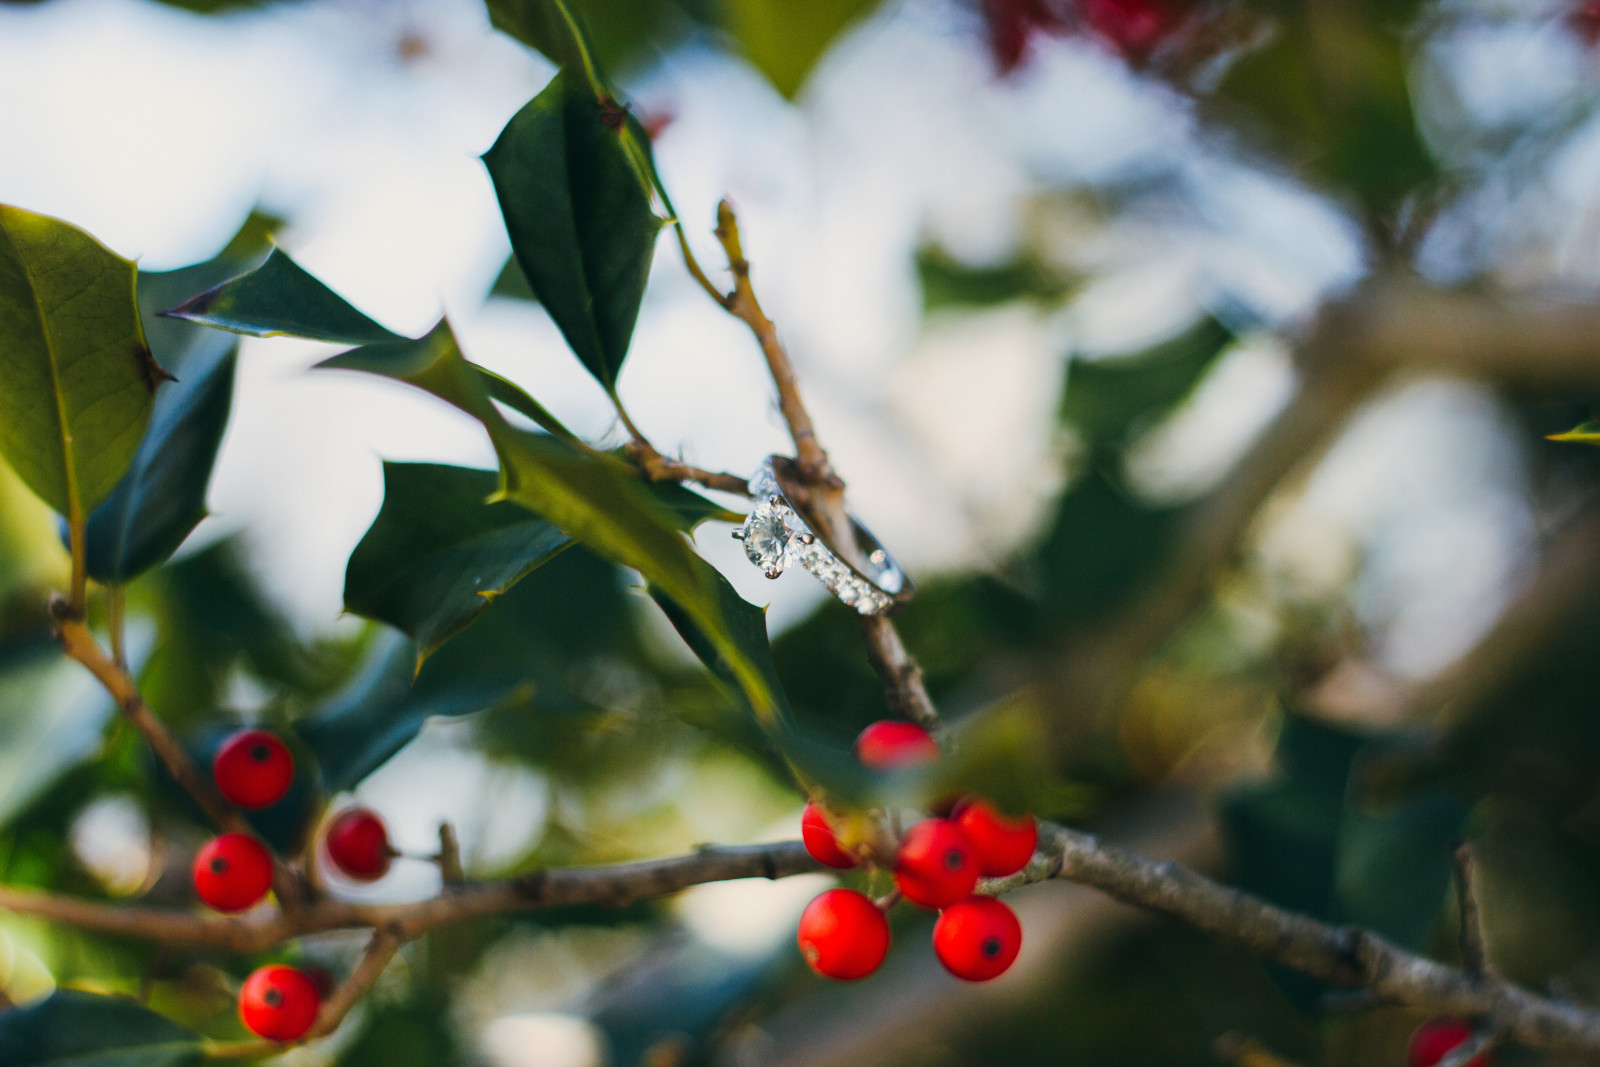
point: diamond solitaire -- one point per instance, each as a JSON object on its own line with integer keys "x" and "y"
{"x": 776, "y": 537}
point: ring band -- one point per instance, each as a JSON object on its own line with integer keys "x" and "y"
{"x": 775, "y": 536}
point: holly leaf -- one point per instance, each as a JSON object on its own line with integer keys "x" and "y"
{"x": 551, "y": 27}
{"x": 170, "y": 338}
{"x": 593, "y": 497}
{"x": 438, "y": 554}
{"x": 785, "y": 38}
{"x": 279, "y": 298}
{"x": 77, "y": 380}
{"x": 162, "y": 498}
{"x": 575, "y": 187}
{"x": 73, "y": 1029}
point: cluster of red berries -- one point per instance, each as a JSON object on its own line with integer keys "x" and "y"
{"x": 844, "y": 934}
{"x": 233, "y": 872}
{"x": 1436, "y": 1039}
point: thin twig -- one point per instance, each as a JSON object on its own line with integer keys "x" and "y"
{"x": 116, "y": 624}
{"x": 901, "y": 674}
{"x": 380, "y": 950}
{"x": 80, "y": 644}
{"x": 821, "y": 492}
{"x": 450, "y": 870}
{"x": 1473, "y": 959}
{"x": 743, "y": 305}
{"x": 661, "y": 468}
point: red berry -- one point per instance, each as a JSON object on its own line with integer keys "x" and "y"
{"x": 1436, "y": 1039}
{"x": 279, "y": 1003}
{"x": 820, "y": 841}
{"x": 358, "y": 845}
{"x": 1004, "y": 846}
{"x": 887, "y": 746}
{"x": 843, "y": 935}
{"x": 1135, "y": 27}
{"x": 936, "y": 865}
{"x": 1584, "y": 18}
{"x": 232, "y": 872}
{"x": 977, "y": 939}
{"x": 253, "y": 769}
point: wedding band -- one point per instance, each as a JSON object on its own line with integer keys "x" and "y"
{"x": 775, "y": 537}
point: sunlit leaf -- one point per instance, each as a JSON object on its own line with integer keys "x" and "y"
{"x": 438, "y": 553}
{"x": 72, "y": 1029}
{"x": 785, "y": 38}
{"x": 77, "y": 381}
{"x": 163, "y": 496}
{"x": 279, "y": 298}
{"x": 576, "y": 197}
{"x": 1587, "y": 433}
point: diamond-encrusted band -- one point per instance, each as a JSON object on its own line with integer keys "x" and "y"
{"x": 775, "y": 536}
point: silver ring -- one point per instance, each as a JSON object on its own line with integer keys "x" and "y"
{"x": 775, "y": 537}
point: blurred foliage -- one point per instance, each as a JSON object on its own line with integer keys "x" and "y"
{"x": 554, "y": 666}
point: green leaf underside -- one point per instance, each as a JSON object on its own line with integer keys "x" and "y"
{"x": 438, "y": 554}
{"x": 162, "y": 498}
{"x": 577, "y": 206}
{"x": 76, "y": 378}
{"x": 73, "y": 1029}
{"x": 785, "y": 38}
{"x": 279, "y": 298}
{"x": 592, "y": 497}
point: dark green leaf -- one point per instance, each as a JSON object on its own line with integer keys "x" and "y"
{"x": 1393, "y": 868}
{"x": 512, "y": 284}
{"x": 594, "y": 498}
{"x": 171, "y": 338}
{"x": 832, "y": 767}
{"x": 949, "y": 283}
{"x": 537, "y": 648}
{"x": 1103, "y": 547}
{"x": 553, "y": 28}
{"x": 1306, "y": 840}
{"x": 575, "y": 191}
{"x": 76, "y": 379}
{"x": 163, "y": 496}
{"x": 1335, "y": 89}
{"x": 279, "y": 298}
{"x": 72, "y": 1029}
{"x": 438, "y": 553}
{"x": 785, "y": 38}
{"x": 1106, "y": 399}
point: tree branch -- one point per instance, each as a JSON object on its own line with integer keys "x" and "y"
{"x": 1343, "y": 956}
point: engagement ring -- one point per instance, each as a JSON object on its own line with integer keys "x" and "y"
{"x": 776, "y": 537}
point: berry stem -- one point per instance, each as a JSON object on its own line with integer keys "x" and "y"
{"x": 80, "y": 644}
